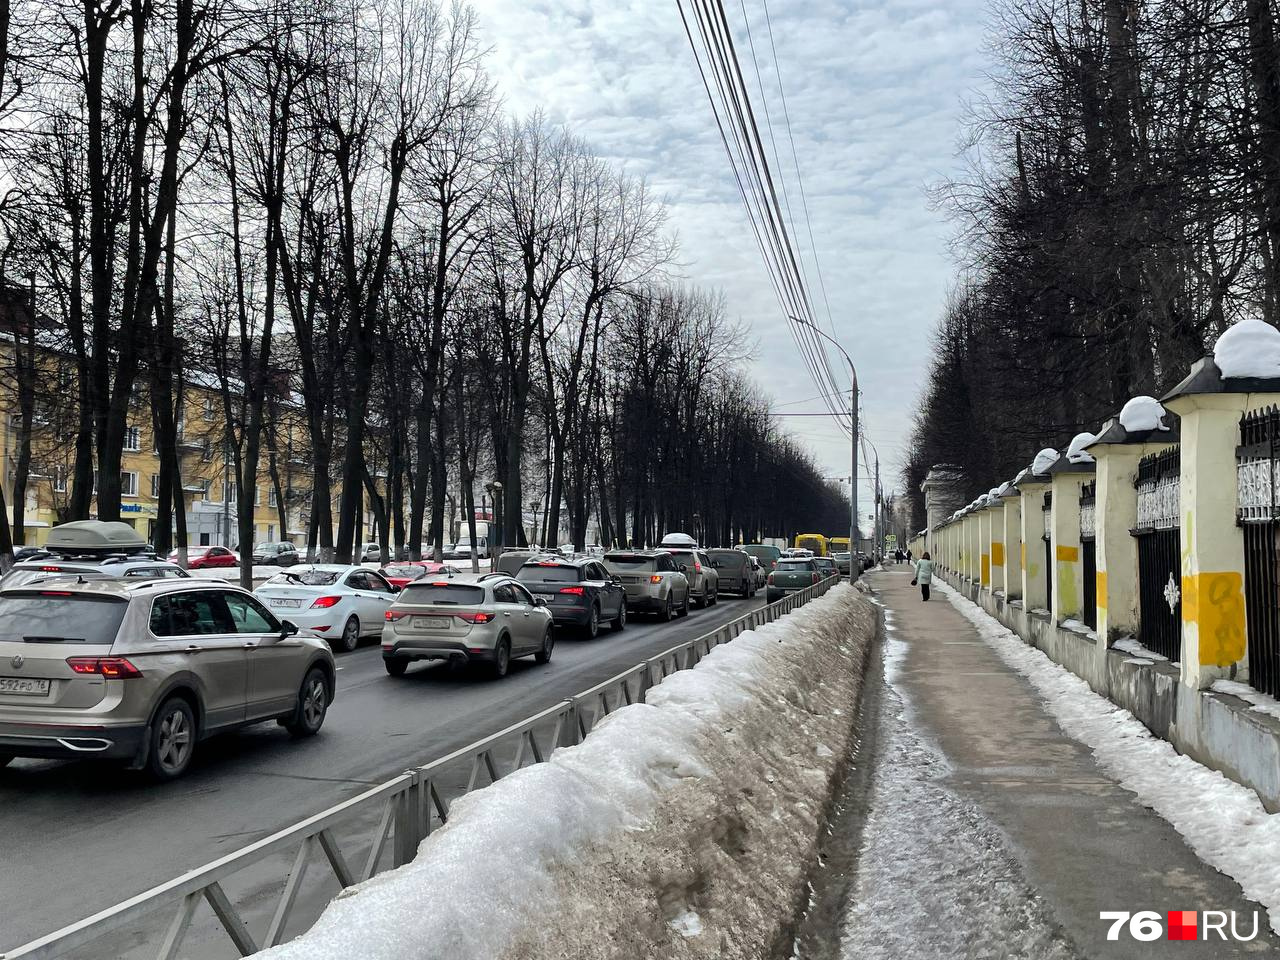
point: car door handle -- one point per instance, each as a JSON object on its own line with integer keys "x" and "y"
{"x": 250, "y": 645}
{"x": 507, "y": 614}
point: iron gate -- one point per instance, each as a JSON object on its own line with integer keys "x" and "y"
{"x": 1089, "y": 555}
{"x": 1260, "y": 519}
{"x": 1159, "y": 554}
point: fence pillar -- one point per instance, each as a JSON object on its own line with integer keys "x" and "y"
{"x": 1011, "y": 548}
{"x": 984, "y": 546}
{"x": 1117, "y": 452}
{"x": 971, "y": 569}
{"x": 1213, "y": 611}
{"x": 1064, "y": 539}
{"x": 1035, "y": 578}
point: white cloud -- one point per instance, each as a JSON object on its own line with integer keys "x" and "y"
{"x": 875, "y": 92}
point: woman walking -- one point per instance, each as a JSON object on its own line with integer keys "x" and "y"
{"x": 924, "y": 574}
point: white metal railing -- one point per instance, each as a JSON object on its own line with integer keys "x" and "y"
{"x": 409, "y": 807}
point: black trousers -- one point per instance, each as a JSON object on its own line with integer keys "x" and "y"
{"x": 924, "y": 590}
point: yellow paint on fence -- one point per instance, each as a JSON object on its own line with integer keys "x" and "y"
{"x": 1068, "y": 596}
{"x": 1215, "y": 603}
{"x": 986, "y": 570}
{"x": 997, "y": 554}
{"x": 1068, "y": 554}
{"x": 1101, "y": 579}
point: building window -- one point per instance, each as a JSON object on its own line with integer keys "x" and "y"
{"x": 228, "y": 493}
{"x": 132, "y": 439}
{"x": 59, "y": 479}
{"x": 155, "y": 485}
{"x": 208, "y": 488}
{"x": 210, "y": 409}
{"x": 128, "y": 483}
{"x": 206, "y": 452}
{"x": 271, "y": 497}
{"x": 257, "y": 496}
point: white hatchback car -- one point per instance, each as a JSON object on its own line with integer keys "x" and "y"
{"x": 336, "y": 602}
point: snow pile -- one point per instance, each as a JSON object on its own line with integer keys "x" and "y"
{"x": 1045, "y": 459}
{"x": 1222, "y": 821}
{"x": 1251, "y": 348}
{"x": 1022, "y": 475}
{"x": 1262, "y": 703}
{"x": 679, "y": 824}
{"x": 1133, "y": 647}
{"x": 1142, "y": 414}
{"x": 1075, "y": 450}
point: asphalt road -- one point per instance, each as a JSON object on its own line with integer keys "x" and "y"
{"x": 78, "y": 837}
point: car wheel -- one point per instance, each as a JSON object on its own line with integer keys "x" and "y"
{"x": 548, "y": 641}
{"x": 173, "y": 740}
{"x": 620, "y": 621}
{"x": 669, "y": 610}
{"x": 350, "y": 638}
{"x": 684, "y": 611}
{"x": 396, "y": 666}
{"x": 715, "y": 598}
{"x": 593, "y": 623}
{"x": 313, "y": 705}
{"x": 502, "y": 658}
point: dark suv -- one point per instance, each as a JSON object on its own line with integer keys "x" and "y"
{"x": 579, "y": 593}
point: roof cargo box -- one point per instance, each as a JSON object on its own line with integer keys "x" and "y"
{"x": 94, "y": 536}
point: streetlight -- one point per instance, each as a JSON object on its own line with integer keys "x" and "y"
{"x": 853, "y": 415}
{"x": 497, "y": 518}
{"x": 534, "y": 505}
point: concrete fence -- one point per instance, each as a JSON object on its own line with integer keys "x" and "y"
{"x": 1143, "y": 558}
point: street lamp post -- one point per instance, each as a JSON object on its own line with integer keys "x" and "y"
{"x": 497, "y": 518}
{"x": 853, "y": 416}
{"x": 534, "y": 505}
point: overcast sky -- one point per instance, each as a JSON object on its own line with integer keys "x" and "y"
{"x": 876, "y": 92}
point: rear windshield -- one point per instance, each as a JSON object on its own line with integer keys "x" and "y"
{"x": 405, "y": 572}
{"x": 310, "y": 578}
{"x": 548, "y": 573}
{"x": 770, "y": 553}
{"x": 20, "y": 576}
{"x": 49, "y": 618}
{"x": 630, "y": 561}
{"x": 453, "y": 594}
{"x": 727, "y": 558}
{"x": 795, "y": 564}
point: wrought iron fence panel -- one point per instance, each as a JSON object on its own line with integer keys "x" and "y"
{"x": 1257, "y": 465}
{"x": 1160, "y": 592}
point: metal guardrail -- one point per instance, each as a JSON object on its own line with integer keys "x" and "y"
{"x": 412, "y": 805}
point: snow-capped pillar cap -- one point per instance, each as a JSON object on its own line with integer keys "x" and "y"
{"x": 1206, "y": 378}
{"x": 1009, "y": 489}
{"x": 1112, "y": 433}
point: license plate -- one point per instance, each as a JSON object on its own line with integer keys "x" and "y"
{"x": 291, "y": 604}
{"x": 431, "y": 623}
{"x": 24, "y": 687}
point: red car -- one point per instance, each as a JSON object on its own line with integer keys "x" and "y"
{"x": 198, "y": 557}
{"x": 404, "y": 572}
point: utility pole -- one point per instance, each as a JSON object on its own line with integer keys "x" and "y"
{"x": 853, "y": 416}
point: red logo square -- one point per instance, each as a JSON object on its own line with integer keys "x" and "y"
{"x": 1182, "y": 925}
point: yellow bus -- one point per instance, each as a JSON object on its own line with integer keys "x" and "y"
{"x": 838, "y": 544}
{"x": 812, "y": 541}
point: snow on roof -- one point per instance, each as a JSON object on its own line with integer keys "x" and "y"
{"x": 1075, "y": 450}
{"x": 1045, "y": 459}
{"x": 1022, "y": 475}
{"x": 1143, "y": 413}
{"x": 1250, "y": 348}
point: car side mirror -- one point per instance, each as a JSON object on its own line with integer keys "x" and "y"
{"x": 539, "y": 602}
{"x": 287, "y": 628}
{"x": 396, "y": 588}
{"x": 616, "y": 581}
{"x": 684, "y": 568}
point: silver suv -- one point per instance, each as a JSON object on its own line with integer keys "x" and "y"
{"x": 704, "y": 581}
{"x": 489, "y": 620}
{"x": 140, "y": 671}
{"x": 653, "y": 581}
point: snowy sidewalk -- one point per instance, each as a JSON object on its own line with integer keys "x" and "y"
{"x": 1019, "y": 838}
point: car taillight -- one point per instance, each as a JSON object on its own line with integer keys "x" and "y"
{"x": 656, "y": 578}
{"x": 769, "y": 579}
{"x": 55, "y": 593}
{"x": 816, "y": 578}
{"x": 477, "y": 617}
{"x": 576, "y": 591}
{"x": 324, "y": 603}
{"x": 395, "y": 615}
{"x": 697, "y": 567}
{"x": 773, "y": 564}
{"x": 50, "y": 569}
{"x": 113, "y": 668}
